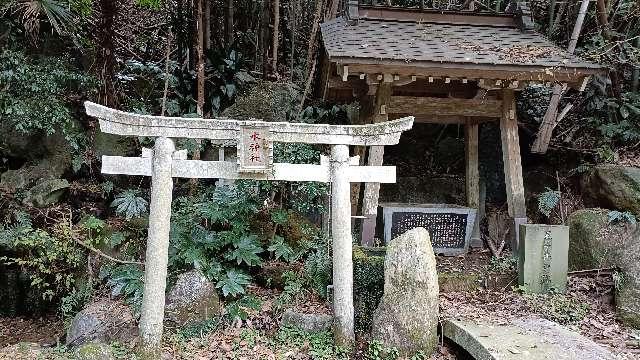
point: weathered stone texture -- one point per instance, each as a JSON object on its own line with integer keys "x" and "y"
{"x": 596, "y": 243}
{"x": 614, "y": 186}
{"x": 192, "y": 298}
{"x": 102, "y": 321}
{"x": 407, "y": 316}
{"x": 308, "y": 322}
{"x": 45, "y": 193}
{"x": 543, "y": 256}
{"x": 529, "y": 338}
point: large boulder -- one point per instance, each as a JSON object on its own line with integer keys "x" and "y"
{"x": 595, "y": 242}
{"x": 45, "y": 193}
{"x": 103, "y": 321}
{"x": 193, "y": 298}
{"x": 407, "y": 316}
{"x": 614, "y": 186}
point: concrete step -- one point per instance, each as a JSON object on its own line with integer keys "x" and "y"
{"x": 529, "y": 338}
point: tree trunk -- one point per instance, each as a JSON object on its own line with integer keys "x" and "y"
{"x": 207, "y": 25}
{"x": 276, "y": 36}
{"x": 106, "y": 57}
{"x": 265, "y": 39}
{"x": 292, "y": 16}
{"x": 550, "y": 120}
{"x": 311, "y": 50}
{"x": 603, "y": 18}
{"x": 229, "y": 32}
{"x": 199, "y": 70}
{"x": 635, "y": 77}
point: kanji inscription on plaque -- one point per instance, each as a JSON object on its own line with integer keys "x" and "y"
{"x": 255, "y": 150}
{"x": 449, "y": 227}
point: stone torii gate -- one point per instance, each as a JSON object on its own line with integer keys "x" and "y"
{"x": 255, "y": 161}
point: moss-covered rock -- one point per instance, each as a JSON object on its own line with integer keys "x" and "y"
{"x": 268, "y": 101}
{"x": 458, "y": 281}
{"x": 407, "y": 316}
{"x": 93, "y": 351}
{"x": 193, "y": 298}
{"x": 103, "y": 321}
{"x": 47, "y": 192}
{"x": 614, "y": 186}
{"x": 594, "y": 242}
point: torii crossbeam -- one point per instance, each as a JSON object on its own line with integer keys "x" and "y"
{"x": 255, "y": 161}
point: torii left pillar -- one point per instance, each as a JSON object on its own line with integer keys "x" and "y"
{"x": 157, "y": 254}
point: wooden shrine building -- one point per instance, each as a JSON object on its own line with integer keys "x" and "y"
{"x": 444, "y": 67}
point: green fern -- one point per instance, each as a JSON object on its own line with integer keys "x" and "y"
{"x": 130, "y": 204}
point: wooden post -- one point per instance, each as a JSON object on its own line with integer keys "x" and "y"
{"x": 342, "y": 247}
{"x": 512, "y": 163}
{"x": 156, "y": 259}
{"x": 376, "y": 155}
{"x": 473, "y": 177}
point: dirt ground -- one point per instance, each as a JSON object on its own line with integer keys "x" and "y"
{"x": 587, "y": 307}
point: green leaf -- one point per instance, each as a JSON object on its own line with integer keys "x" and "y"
{"x": 246, "y": 251}
{"x": 233, "y": 283}
{"x": 281, "y": 249}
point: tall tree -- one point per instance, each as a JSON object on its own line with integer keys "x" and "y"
{"x": 105, "y": 51}
{"x": 276, "y": 36}
{"x": 228, "y": 29}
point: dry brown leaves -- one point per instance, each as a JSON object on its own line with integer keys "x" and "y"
{"x": 514, "y": 54}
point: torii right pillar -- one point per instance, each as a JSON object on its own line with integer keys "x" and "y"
{"x": 512, "y": 165}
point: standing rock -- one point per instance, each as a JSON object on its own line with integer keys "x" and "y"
{"x": 46, "y": 193}
{"x": 595, "y": 243}
{"x": 407, "y": 316}
{"x": 614, "y": 186}
{"x": 192, "y": 298}
{"x": 308, "y": 322}
{"x": 103, "y": 321}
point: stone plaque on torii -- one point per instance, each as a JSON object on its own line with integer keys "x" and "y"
{"x": 254, "y": 141}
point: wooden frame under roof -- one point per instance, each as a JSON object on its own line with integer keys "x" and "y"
{"x": 442, "y": 67}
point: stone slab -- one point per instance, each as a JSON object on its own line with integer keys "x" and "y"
{"x": 528, "y": 338}
{"x": 543, "y": 257}
{"x": 453, "y": 222}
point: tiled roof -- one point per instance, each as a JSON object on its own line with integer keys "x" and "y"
{"x": 415, "y": 42}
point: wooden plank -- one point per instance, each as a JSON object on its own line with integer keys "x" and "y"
{"x": 473, "y": 175}
{"x": 121, "y": 123}
{"x": 511, "y": 156}
{"x": 436, "y": 16}
{"x": 376, "y": 155}
{"x": 445, "y": 106}
{"x": 448, "y": 119}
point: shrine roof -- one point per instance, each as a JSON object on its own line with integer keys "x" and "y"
{"x": 445, "y": 40}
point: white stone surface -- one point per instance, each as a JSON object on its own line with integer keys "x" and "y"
{"x": 156, "y": 259}
{"x": 342, "y": 247}
{"x": 121, "y": 123}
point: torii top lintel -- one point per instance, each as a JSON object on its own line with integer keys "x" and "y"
{"x": 122, "y": 123}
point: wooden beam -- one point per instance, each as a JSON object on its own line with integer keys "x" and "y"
{"x": 445, "y": 106}
{"x": 376, "y": 155}
{"x": 571, "y": 76}
{"x": 436, "y": 16}
{"x": 473, "y": 176}
{"x": 511, "y": 156}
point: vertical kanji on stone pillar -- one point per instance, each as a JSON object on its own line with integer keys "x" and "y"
{"x": 155, "y": 269}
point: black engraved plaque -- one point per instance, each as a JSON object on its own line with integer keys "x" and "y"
{"x": 447, "y": 230}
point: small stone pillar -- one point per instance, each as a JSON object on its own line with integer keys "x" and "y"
{"x": 543, "y": 262}
{"x": 342, "y": 247}
{"x": 156, "y": 259}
